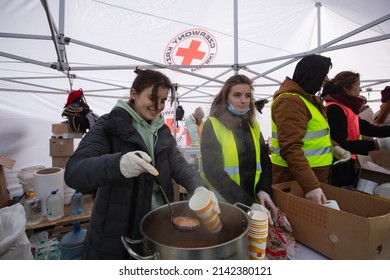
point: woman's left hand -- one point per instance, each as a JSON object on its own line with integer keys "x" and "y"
{"x": 266, "y": 201}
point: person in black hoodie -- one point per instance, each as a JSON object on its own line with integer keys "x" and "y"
{"x": 299, "y": 129}
{"x": 343, "y": 104}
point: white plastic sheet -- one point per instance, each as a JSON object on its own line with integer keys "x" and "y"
{"x": 14, "y": 244}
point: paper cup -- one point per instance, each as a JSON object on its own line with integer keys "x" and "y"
{"x": 366, "y": 186}
{"x": 257, "y": 248}
{"x": 202, "y": 205}
{"x": 332, "y": 204}
{"x": 259, "y": 217}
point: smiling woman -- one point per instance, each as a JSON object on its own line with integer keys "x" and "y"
{"x": 116, "y": 159}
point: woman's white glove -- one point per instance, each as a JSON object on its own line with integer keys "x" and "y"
{"x": 268, "y": 204}
{"x": 316, "y": 195}
{"x": 341, "y": 154}
{"x": 214, "y": 199}
{"x": 135, "y": 163}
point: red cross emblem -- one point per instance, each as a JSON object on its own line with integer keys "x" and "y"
{"x": 190, "y": 53}
{"x": 191, "y": 47}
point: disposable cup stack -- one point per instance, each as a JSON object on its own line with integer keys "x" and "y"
{"x": 202, "y": 205}
{"x": 257, "y": 235}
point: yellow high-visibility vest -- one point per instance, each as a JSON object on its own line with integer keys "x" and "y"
{"x": 317, "y": 146}
{"x": 230, "y": 155}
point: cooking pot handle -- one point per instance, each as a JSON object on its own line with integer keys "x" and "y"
{"x": 244, "y": 206}
{"x": 126, "y": 241}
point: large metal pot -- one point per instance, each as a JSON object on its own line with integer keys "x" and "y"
{"x": 161, "y": 240}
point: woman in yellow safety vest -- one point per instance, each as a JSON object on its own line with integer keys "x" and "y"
{"x": 235, "y": 160}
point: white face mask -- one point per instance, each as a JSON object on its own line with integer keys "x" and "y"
{"x": 235, "y": 112}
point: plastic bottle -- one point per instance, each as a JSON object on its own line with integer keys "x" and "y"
{"x": 71, "y": 244}
{"x": 33, "y": 209}
{"x": 54, "y": 206}
{"x": 77, "y": 203}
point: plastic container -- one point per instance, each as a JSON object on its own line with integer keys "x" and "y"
{"x": 47, "y": 180}
{"x": 33, "y": 209}
{"x": 77, "y": 203}
{"x": 71, "y": 244}
{"x": 26, "y": 177}
{"x": 54, "y": 206}
{"x": 68, "y": 192}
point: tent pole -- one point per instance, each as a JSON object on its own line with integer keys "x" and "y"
{"x": 235, "y": 16}
{"x": 176, "y": 100}
{"x": 318, "y": 6}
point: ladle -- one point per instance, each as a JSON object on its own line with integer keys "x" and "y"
{"x": 181, "y": 222}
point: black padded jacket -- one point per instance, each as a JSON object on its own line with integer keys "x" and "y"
{"x": 121, "y": 203}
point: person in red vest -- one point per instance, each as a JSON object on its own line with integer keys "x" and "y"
{"x": 193, "y": 123}
{"x": 343, "y": 104}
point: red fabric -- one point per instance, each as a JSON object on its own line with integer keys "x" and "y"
{"x": 74, "y": 96}
{"x": 352, "y": 121}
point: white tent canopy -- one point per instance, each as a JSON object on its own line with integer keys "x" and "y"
{"x": 49, "y": 47}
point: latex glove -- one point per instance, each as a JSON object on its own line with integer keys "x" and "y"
{"x": 316, "y": 195}
{"x": 384, "y": 143}
{"x": 135, "y": 163}
{"x": 267, "y": 203}
{"x": 341, "y": 154}
{"x": 214, "y": 199}
{"x": 259, "y": 207}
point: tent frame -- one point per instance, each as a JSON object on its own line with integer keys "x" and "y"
{"x": 60, "y": 42}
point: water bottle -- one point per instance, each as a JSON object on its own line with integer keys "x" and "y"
{"x": 71, "y": 244}
{"x": 33, "y": 209}
{"x": 54, "y": 206}
{"x": 77, "y": 203}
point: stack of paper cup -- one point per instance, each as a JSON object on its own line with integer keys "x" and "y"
{"x": 202, "y": 205}
{"x": 257, "y": 235}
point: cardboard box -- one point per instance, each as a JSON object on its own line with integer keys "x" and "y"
{"x": 375, "y": 167}
{"x": 4, "y": 195}
{"x": 61, "y": 147}
{"x": 58, "y": 128}
{"x": 361, "y": 230}
{"x": 59, "y": 161}
{"x": 63, "y": 130}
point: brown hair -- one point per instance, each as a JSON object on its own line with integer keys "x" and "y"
{"x": 147, "y": 78}
{"x": 383, "y": 112}
{"x": 346, "y": 79}
{"x": 220, "y": 103}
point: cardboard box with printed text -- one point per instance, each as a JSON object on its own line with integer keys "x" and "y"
{"x": 61, "y": 147}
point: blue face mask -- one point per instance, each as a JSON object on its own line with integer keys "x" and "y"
{"x": 235, "y": 112}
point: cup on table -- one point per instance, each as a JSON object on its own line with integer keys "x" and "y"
{"x": 332, "y": 204}
{"x": 202, "y": 205}
{"x": 257, "y": 235}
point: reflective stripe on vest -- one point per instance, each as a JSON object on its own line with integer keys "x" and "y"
{"x": 353, "y": 127}
{"x": 229, "y": 151}
{"x": 317, "y": 146}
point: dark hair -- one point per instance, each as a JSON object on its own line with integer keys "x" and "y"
{"x": 220, "y": 102}
{"x": 147, "y": 78}
{"x": 346, "y": 79}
